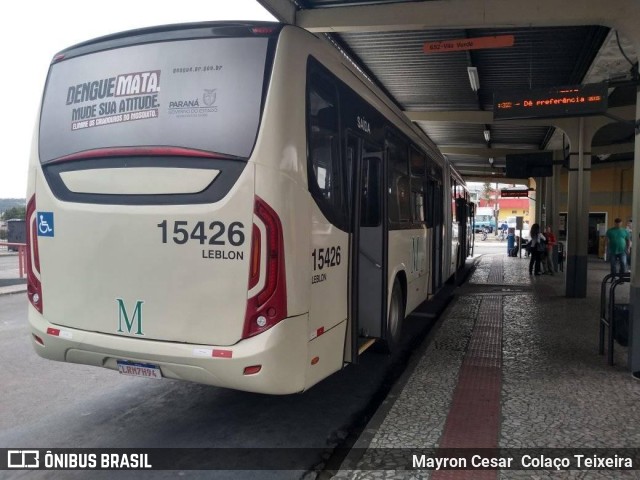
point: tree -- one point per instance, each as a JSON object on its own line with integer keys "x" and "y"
{"x": 488, "y": 193}
{"x": 14, "y": 212}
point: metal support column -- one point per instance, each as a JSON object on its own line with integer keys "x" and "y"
{"x": 578, "y": 211}
{"x": 543, "y": 201}
{"x": 538, "y": 195}
{"x": 554, "y": 193}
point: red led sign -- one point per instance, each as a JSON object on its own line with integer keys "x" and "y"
{"x": 572, "y": 101}
{"x": 497, "y": 41}
{"x": 514, "y": 193}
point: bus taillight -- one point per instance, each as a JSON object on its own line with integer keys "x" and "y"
{"x": 254, "y": 267}
{"x": 34, "y": 288}
{"x": 269, "y": 305}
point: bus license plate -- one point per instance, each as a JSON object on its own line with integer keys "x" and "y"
{"x": 146, "y": 370}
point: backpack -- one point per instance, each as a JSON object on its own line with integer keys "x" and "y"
{"x": 540, "y": 246}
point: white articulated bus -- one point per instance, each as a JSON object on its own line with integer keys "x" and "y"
{"x": 230, "y": 204}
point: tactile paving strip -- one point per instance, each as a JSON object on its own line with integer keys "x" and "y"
{"x": 496, "y": 274}
{"x": 474, "y": 417}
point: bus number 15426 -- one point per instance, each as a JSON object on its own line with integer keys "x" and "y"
{"x": 235, "y": 234}
{"x": 325, "y": 257}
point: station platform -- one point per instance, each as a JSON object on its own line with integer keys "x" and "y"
{"x": 512, "y": 366}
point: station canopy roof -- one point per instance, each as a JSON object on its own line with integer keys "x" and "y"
{"x": 386, "y": 40}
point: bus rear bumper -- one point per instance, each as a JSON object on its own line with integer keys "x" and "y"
{"x": 281, "y": 353}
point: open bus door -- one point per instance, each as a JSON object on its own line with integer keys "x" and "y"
{"x": 368, "y": 268}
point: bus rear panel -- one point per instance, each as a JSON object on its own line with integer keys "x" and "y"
{"x": 150, "y": 251}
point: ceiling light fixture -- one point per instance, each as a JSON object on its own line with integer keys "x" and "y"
{"x": 474, "y": 80}
{"x": 487, "y": 135}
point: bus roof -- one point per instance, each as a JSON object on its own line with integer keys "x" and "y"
{"x": 178, "y": 31}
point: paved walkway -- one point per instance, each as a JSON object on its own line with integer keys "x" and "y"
{"x": 513, "y": 365}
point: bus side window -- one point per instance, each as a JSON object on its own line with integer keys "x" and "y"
{"x": 434, "y": 195}
{"x": 418, "y": 207}
{"x": 324, "y": 172}
{"x": 399, "y": 184}
{"x": 452, "y": 200}
{"x": 324, "y": 153}
{"x": 370, "y": 204}
{"x": 430, "y": 203}
{"x": 321, "y": 161}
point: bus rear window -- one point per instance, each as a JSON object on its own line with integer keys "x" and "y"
{"x": 200, "y": 94}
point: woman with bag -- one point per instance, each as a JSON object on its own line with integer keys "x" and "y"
{"x": 537, "y": 248}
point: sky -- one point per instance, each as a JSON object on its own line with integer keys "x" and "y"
{"x": 33, "y": 32}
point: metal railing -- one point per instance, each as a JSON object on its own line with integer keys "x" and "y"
{"x": 607, "y": 311}
{"x": 22, "y": 255}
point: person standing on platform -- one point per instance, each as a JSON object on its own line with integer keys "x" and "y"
{"x": 618, "y": 242}
{"x": 536, "y": 248}
{"x": 512, "y": 248}
{"x": 551, "y": 241}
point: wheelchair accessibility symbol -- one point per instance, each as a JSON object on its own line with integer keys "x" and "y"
{"x": 45, "y": 224}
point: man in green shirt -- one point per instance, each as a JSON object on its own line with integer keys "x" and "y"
{"x": 618, "y": 243}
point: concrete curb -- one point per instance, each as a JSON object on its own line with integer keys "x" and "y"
{"x": 13, "y": 289}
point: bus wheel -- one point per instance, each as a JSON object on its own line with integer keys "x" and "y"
{"x": 395, "y": 319}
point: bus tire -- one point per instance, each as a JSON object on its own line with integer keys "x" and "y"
{"x": 395, "y": 319}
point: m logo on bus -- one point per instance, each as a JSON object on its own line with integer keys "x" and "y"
{"x": 130, "y": 321}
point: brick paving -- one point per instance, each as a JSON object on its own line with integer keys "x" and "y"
{"x": 513, "y": 343}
